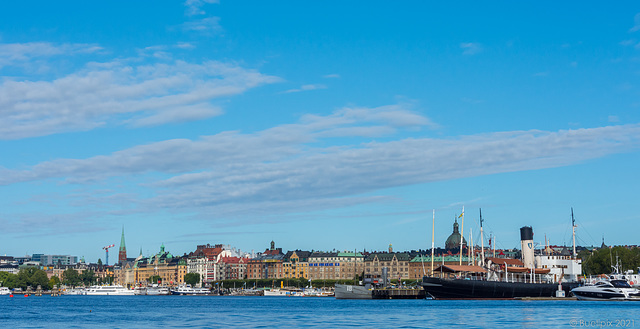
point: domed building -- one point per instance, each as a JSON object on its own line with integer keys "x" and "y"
{"x": 453, "y": 241}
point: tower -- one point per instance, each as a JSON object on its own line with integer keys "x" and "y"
{"x": 122, "y": 254}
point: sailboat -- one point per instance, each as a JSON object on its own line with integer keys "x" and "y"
{"x": 500, "y": 278}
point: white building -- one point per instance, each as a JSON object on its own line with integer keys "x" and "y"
{"x": 562, "y": 268}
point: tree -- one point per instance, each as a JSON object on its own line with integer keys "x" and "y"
{"x": 87, "y": 277}
{"x": 8, "y": 280}
{"x": 71, "y": 277}
{"x": 192, "y": 278}
{"x": 155, "y": 279}
{"x": 33, "y": 277}
{"x": 99, "y": 262}
{"x": 602, "y": 260}
{"x": 54, "y": 281}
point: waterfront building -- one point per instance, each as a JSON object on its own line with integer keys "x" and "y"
{"x": 296, "y": 264}
{"x": 169, "y": 268}
{"x": 232, "y": 268}
{"x": 9, "y": 268}
{"x": 396, "y": 263}
{"x": 351, "y": 265}
{"x": 46, "y": 260}
{"x": 267, "y": 265}
{"x": 323, "y": 265}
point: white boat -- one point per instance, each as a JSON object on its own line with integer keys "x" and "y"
{"x": 140, "y": 291}
{"x": 607, "y": 290}
{"x": 283, "y": 293}
{"x": 188, "y": 290}
{"x": 116, "y": 290}
{"x": 75, "y": 291}
{"x": 157, "y": 290}
{"x": 5, "y": 291}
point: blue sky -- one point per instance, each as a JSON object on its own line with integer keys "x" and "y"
{"x": 318, "y": 125}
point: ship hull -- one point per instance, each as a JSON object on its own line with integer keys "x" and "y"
{"x": 477, "y": 289}
{"x": 345, "y": 291}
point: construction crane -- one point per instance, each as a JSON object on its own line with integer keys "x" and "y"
{"x": 106, "y": 250}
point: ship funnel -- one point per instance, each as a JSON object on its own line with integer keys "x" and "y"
{"x": 526, "y": 241}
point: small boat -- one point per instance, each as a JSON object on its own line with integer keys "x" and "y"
{"x": 5, "y": 291}
{"x": 116, "y": 290}
{"x": 156, "y": 290}
{"x": 283, "y": 293}
{"x": 607, "y": 290}
{"x": 140, "y": 291}
{"x": 188, "y": 290}
{"x": 75, "y": 291}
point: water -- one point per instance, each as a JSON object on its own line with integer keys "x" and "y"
{"x": 294, "y": 312}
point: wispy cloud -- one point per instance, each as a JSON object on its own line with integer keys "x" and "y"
{"x": 300, "y": 166}
{"x": 120, "y": 92}
{"x": 194, "y": 7}
{"x": 331, "y": 76}
{"x": 636, "y": 23}
{"x": 12, "y": 53}
{"x": 541, "y": 74}
{"x": 204, "y": 25}
{"x": 613, "y": 119}
{"x": 306, "y": 88}
{"x": 470, "y": 48}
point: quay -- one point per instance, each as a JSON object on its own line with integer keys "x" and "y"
{"x": 398, "y": 293}
{"x": 545, "y": 298}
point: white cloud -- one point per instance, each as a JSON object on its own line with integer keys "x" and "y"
{"x": 470, "y": 48}
{"x": 204, "y": 25}
{"x": 281, "y": 168}
{"x": 120, "y": 92}
{"x": 613, "y": 118}
{"x": 194, "y": 7}
{"x": 306, "y": 88}
{"x": 12, "y": 53}
{"x": 636, "y": 23}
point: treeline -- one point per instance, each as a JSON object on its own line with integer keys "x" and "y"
{"x": 602, "y": 260}
{"x": 34, "y": 277}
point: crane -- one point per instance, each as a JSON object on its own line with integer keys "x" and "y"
{"x": 106, "y": 250}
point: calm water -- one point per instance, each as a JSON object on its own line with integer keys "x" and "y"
{"x": 264, "y": 312}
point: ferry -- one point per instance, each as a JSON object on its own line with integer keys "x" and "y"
{"x": 116, "y": 290}
{"x": 188, "y": 290}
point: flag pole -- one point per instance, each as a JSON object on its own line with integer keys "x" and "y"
{"x": 433, "y": 230}
{"x": 461, "y": 234}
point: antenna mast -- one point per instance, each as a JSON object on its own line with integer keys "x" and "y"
{"x": 481, "y": 238}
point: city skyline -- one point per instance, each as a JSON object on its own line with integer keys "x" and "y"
{"x": 315, "y": 125}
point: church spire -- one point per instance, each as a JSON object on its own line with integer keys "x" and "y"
{"x": 122, "y": 254}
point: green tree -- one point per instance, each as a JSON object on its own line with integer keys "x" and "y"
{"x": 99, "y": 262}
{"x": 602, "y": 260}
{"x": 71, "y": 277}
{"x": 155, "y": 279}
{"x": 33, "y": 277}
{"x": 87, "y": 277}
{"x": 54, "y": 281}
{"x": 8, "y": 280}
{"x": 192, "y": 278}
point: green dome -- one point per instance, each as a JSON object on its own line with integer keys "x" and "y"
{"x": 453, "y": 241}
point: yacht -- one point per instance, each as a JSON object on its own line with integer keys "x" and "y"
{"x": 109, "y": 290}
{"x": 157, "y": 290}
{"x": 75, "y": 291}
{"x": 140, "y": 291}
{"x": 283, "y": 293}
{"x": 607, "y": 290}
{"x": 188, "y": 290}
{"x": 4, "y": 291}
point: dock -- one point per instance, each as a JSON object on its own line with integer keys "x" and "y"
{"x": 545, "y": 298}
{"x": 398, "y": 293}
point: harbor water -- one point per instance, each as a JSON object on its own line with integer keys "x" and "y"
{"x": 294, "y": 312}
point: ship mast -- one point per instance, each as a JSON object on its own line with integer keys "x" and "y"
{"x": 481, "y": 239}
{"x": 433, "y": 230}
{"x": 573, "y": 225}
{"x": 461, "y": 234}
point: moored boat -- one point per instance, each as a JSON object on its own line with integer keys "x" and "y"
{"x": 115, "y": 290}
{"x": 608, "y": 290}
{"x": 4, "y": 291}
{"x": 188, "y": 290}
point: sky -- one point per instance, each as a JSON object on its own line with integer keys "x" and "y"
{"x": 318, "y": 125}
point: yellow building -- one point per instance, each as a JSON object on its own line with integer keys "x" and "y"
{"x": 170, "y": 269}
{"x": 296, "y": 264}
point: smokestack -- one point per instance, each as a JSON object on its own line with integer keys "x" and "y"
{"x": 526, "y": 241}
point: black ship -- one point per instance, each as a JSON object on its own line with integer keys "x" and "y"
{"x": 442, "y": 288}
{"x": 493, "y": 282}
